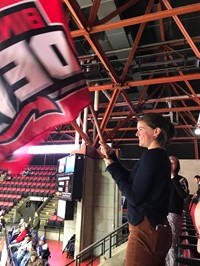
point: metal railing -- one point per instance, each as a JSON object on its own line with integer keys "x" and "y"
{"x": 9, "y": 261}
{"x": 102, "y": 247}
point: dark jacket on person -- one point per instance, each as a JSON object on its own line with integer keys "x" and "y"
{"x": 146, "y": 187}
{"x": 177, "y": 195}
{"x": 36, "y": 223}
{"x": 43, "y": 251}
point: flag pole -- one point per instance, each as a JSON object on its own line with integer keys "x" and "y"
{"x": 97, "y": 126}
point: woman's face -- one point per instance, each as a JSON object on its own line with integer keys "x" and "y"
{"x": 147, "y": 136}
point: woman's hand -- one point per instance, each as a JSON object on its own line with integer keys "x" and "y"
{"x": 105, "y": 149}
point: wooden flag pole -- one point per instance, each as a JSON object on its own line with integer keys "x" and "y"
{"x": 97, "y": 125}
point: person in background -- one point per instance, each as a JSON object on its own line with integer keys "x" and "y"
{"x": 2, "y": 212}
{"x": 35, "y": 227}
{"x": 196, "y": 196}
{"x": 2, "y": 220}
{"x": 55, "y": 212}
{"x": 25, "y": 260}
{"x": 21, "y": 222}
{"x": 4, "y": 174}
{"x": 178, "y": 192}
{"x": 19, "y": 254}
{"x": 197, "y": 180}
{"x": 43, "y": 248}
{"x": 35, "y": 260}
{"x": 146, "y": 188}
{"x": 24, "y": 230}
{"x": 197, "y": 224}
{"x": 2, "y": 223}
{"x": 14, "y": 231}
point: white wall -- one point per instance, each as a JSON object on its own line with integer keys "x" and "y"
{"x": 190, "y": 168}
{"x": 104, "y": 202}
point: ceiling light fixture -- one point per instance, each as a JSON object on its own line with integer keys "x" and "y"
{"x": 197, "y": 129}
{"x": 49, "y": 149}
{"x": 197, "y": 62}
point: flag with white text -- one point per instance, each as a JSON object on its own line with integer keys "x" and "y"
{"x": 41, "y": 84}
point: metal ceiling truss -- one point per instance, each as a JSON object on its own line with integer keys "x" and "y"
{"x": 159, "y": 76}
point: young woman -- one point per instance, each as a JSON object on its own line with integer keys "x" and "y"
{"x": 146, "y": 189}
{"x": 178, "y": 192}
{"x": 197, "y": 224}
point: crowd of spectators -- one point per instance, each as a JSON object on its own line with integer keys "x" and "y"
{"x": 27, "y": 248}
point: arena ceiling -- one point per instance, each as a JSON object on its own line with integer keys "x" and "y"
{"x": 137, "y": 56}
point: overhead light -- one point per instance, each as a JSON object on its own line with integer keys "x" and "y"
{"x": 197, "y": 131}
{"x": 197, "y": 62}
{"x": 49, "y": 149}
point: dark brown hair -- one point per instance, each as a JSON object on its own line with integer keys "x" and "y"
{"x": 177, "y": 163}
{"x": 155, "y": 120}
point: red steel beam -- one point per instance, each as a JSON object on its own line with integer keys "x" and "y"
{"x": 94, "y": 11}
{"x": 118, "y": 11}
{"x": 137, "y": 20}
{"x": 107, "y": 113}
{"x": 82, "y": 134}
{"x": 66, "y": 131}
{"x": 135, "y": 43}
{"x": 92, "y": 40}
{"x": 162, "y": 31}
{"x": 175, "y": 139}
{"x": 145, "y": 82}
{"x": 160, "y": 110}
{"x": 183, "y": 30}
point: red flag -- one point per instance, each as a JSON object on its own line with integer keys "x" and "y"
{"x": 41, "y": 84}
{"x": 19, "y": 160}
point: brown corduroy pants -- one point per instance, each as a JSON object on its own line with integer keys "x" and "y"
{"x": 148, "y": 246}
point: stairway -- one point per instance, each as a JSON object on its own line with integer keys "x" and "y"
{"x": 9, "y": 217}
{"x": 47, "y": 211}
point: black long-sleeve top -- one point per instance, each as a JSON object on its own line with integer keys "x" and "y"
{"x": 146, "y": 187}
{"x": 177, "y": 195}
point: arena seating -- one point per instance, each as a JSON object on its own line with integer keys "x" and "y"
{"x": 34, "y": 181}
{"x": 54, "y": 220}
{"x": 187, "y": 246}
{"x": 54, "y": 223}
